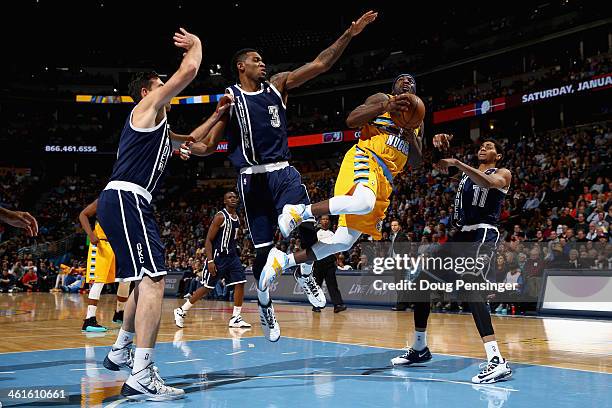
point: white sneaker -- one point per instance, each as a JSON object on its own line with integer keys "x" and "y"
{"x": 237, "y": 322}
{"x": 179, "y": 317}
{"x": 268, "y": 321}
{"x": 493, "y": 371}
{"x": 117, "y": 359}
{"x": 290, "y": 218}
{"x": 275, "y": 264}
{"x": 148, "y": 385}
{"x": 309, "y": 285}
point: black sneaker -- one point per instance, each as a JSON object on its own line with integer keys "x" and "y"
{"x": 316, "y": 309}
{"x": 412, "y": 356}
{"x": 91, "y": 325}
{"x": 118, "y": 317}
{"x": 339, "y": 308}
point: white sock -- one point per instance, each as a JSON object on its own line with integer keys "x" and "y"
{"x": 492, "y": 350}
{"x": 123, "y": 339}
{"x": 420, "y": 340}
{"x": 306, "y": 269}
{"x": 263, "y": 296}
{"x": 237, "y": 310}
{"x": 291, "y": 261}
{"x": 186, "y": 306}
{"x": 120, "y": 306}
{"x": 91, "y": 311}
{"x": 142, "y": 358}
{"x": 307, "y": 214}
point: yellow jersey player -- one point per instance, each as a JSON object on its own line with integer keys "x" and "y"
{"x": 100, "y": 270}
{"x": 365, "y": 180}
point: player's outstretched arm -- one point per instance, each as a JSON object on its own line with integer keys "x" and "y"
{"x": 84, "y": 216}
{"x": 20, "y": 219}
{"x": 500, "y": 179}
{"x": 204, "y": 139}
{"x": 147, "y": 108}
{"x": 288, "y": 80}
{"x": 213, "y": 230}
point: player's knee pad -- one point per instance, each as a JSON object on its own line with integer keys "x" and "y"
{"x": 308, "y": 234}
{"x": 261, "y": 256}
{"x": 365, "y": 199}
{"x": 95, "y": 291}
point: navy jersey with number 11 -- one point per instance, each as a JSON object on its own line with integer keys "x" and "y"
{"x": 477, "y": 205}
{"x": 257, "y": 130}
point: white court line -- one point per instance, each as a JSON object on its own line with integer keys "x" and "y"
{"x": 183, "y": 361}
{"x": 451, "y": 355}
{"x": 7, "y": 372}
{"x": 289, "y": 353}
{"x": 407, "y": 377}
{"x": 87, "y": 369}
{"x": 235, "y": 352}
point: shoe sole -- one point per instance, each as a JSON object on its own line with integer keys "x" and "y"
{"x": 411, "y": 363}
{"x": 501, "y": 377}
{"x": 109, "y": 365}
{"x": 90, "y": 329}
{"x": 135, "y": 395}
{"x": 239, "y": 327}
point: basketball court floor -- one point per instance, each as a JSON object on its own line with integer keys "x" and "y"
{"x": 321, "y": 360}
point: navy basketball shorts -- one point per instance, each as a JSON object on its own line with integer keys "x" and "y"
{"x": 264, "y": 195}
{"x": 128, "y": 221}
{"x": 228, "y": 267}
{"x": 472, "y": 252}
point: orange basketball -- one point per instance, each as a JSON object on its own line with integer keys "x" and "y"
{"x": 411, "y": 118}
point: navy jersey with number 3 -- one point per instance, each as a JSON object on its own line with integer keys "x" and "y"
{"x": 257, "y": 130}
{"x": 477, "y": 205}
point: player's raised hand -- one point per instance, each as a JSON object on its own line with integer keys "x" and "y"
{"x": 441, "y": 141}
{"x": 185, "y": 39}
{"x": 359, "y": 25}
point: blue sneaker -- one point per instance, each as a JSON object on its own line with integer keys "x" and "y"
{"x": 91, "y": 325}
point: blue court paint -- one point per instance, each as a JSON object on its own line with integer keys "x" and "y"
{"x": 297, "y": 373}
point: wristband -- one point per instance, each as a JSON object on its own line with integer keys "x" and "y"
{"x": 212, "y": 260}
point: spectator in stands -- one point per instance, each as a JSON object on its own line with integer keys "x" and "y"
{"x": 7, "y": 281}
{"x": 341, "y": 263}
{"x": 29, "y": 281}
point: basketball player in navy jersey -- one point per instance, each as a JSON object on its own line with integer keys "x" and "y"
{"x": 223, "y": 262}
{"x": 126, "y": 215}
{"x": 478, "y": 203}
{"x": 256, "y": 130}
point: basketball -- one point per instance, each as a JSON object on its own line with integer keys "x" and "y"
{"x": 413, "y": 117}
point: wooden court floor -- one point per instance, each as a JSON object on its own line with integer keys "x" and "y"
{"x": 43, "y": 321}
